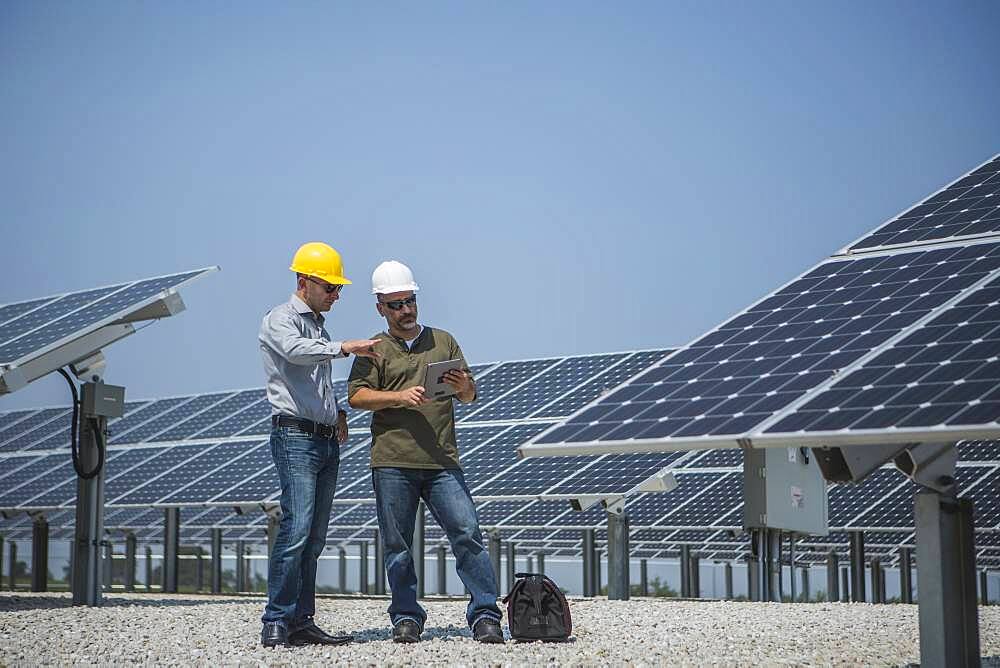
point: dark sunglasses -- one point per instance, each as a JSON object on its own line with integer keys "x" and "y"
{"x": 397, "y": 304}
{"x": 330, "y": 289}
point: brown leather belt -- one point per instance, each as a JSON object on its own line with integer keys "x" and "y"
{"x": 307, "y": 426}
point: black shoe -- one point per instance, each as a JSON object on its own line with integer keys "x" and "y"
{"x": 273, "y": 635}
{"x": 487, "y": 630}
{"x": 314, "y": 635}
{"x": 406, "y": 631}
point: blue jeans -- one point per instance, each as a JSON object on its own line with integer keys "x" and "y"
{"x": 307, "y": 468}
{"x": 397, "y": 492}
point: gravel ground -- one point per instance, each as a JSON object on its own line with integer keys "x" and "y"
{"x": 199, "y": 630}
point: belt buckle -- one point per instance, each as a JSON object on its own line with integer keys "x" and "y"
{"x": 328, "y": 431}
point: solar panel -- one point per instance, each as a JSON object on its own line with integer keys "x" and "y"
{"x": 22, "y": 431}
{"x": 499, "y": 381}
{"x": 200, "y": 421}
{"x": 74, "y": 314}
{"x": 945, "y": 372}
{"x": 730, "y": 381}
{"x": 613, "y": 474}
{"x": 967, "y": 207}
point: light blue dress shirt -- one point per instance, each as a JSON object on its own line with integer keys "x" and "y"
{"x": 297, "y": 351}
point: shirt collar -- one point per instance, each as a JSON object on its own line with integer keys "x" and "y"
{"x": 409, "y": 343}
{"x": 303, "y": 308}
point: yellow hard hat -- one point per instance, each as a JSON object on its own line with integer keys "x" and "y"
{"x": 320, "y": 261}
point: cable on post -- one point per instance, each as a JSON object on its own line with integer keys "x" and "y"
{"x": 95, "y": 426}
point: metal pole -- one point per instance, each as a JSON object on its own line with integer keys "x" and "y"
{"x": 13, "y": 566}
{"x": 363, "y": 566}
{"x": 494, "y": 549}
{"x": 241, "y": 580}
{"x": 130, "y": 546}
{"x": 770, "y": 565}
{"x": 753, "y": 577}
{"x": 171, "y": 548}
{"x": 442, "y": 571}
{"x": 832, "y": 581}
{"x": 541, "y": 563}
{"x": 342, "y": 570}
{"x": 805, "y": 584}
{"x": 618, "y": 557}
{"x": 597, "y": 570}
{"x": 529, "y": 564}
{"x": 216, "y": 568}
{"x": 588, "y": 563}
{"x": 695, "y": 575}
{"x": 200, "y": 575}
{"x": 379, "y": 564}
{"x": 89, "y": 529}
{"x": 643, "y": 578}
{"x": 984, "y": 592}
{"x": 109, "y": 553}
{"x": 727, "y": 576}
{"x": 40, "y": 555}
{"x": 149, "y": 568}
{"x": 946, "y": 580}
{"x": 1, "y": 563}
{"x": 857, "y": 566}
{"x": 418, "y": 551}
{"x": 511, "y": 563}
{"x": 845, "y": 585}
{"x": 791, "y": 566}
{"x": 906, "y": 574}
{"x": 685, "y": 571}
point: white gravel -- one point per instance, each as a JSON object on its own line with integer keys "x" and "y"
{"x": 199, "y": 630}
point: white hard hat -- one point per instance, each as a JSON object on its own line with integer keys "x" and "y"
{"x": 392, "y": 276}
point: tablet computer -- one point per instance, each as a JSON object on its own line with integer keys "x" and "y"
{"x": 434, "y": 383}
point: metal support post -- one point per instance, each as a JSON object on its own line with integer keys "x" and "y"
{"x": 241, "y": 571}
{"x": 171, "y": 548}
{"x": 419, "y": 548}
{"x": 1, "y": 563}
{"x": 363, "y": 566}
{"x": 857, "y": 566}
{"x": 806, "y": 594}
{"x": 89, "y": 529}
{"x": 753, "y": 578}
{"x": 541, "y": 563}
{"x": 791, "y": 567}
{"x": 149, "y": 568}
{"x": 878, "y": 581}
{"x": 588, "y": 563}
{"x": 727, "y": 576}
{"x": 906, "y": 574}
{"x": 832, "y": 579}
{"x": 845, "y": 585}
{"x": 106, "y": 565}
{"x": 643, "y": 578}
{"x": 597, "y": 571}
{"x": 984, "y": 590}
{"x": 342, "y": 570}
{"x": 511, "y": 563}
{"x": 442, "y": 570}
{"x": 766, "y": 582}
{"x": 216, "y": 568}
{"x": 529, "y": 566}
{"x": 12, "y": 575}
{"x": 40, "y": 555}
{"x": 494, "y": 549}
{"x": 379, "y": 564}
{"x": 200, "y": 574}
{"x": 695, "y": 575}
{"x": 618, "y": 557}
{"x": 685, "y": 571}
{"x": 946, "y": 580}
{"x": 130, "y": 548}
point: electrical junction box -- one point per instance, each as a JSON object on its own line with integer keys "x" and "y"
{"x": 783, "y": 488}
{"x": 98, "y": 399}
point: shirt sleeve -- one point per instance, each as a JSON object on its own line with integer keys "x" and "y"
{"x": 280, "y": 334}
{"x": 364, "y": 374}
{"x": 456, "y": 354}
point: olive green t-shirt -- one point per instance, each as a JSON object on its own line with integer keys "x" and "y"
{"x": 422, "y": 437}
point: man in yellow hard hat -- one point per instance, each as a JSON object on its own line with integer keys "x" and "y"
{"x": 415, "y": 456}
{"x": 308, "y": 426}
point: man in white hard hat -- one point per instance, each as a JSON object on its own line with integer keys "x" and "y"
{"x": 414, "y": 456}
{"x": 307, "y": 427}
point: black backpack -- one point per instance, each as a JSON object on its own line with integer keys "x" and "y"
{"x": 537, "y": 609}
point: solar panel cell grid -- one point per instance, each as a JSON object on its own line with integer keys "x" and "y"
{"x": 196, "y": 423}
{"x": 756, "y": 364}
{"x": 154, "y": 429}
{"x": 501, "y": 380}
{"x": 255, "y": 413}
{"x": 26, "y": 426}
{"x": 119, "y": 430}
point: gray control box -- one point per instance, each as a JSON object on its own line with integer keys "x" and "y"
{"x": 783, "y": 488}
{"x": 98, "y": 399}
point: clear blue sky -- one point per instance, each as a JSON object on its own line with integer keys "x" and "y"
{"x": 563, "y": 177}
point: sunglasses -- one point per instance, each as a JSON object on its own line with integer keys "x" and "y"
{"x": 330, "y": 289}
{"x": 397, "y": 304}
